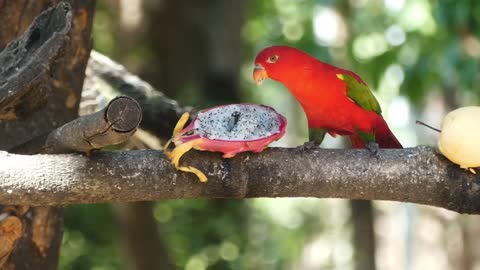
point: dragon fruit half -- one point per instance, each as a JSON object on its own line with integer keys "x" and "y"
{"x": 229, "y": 129}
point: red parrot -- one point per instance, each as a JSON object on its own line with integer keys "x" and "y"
{"x": 335, "y": 100}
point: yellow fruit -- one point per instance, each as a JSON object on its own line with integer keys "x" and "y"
{"x": 460, "y": 137}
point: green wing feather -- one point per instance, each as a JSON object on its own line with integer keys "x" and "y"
{"x": 316, "y": 135}
{"x": 360, "y": 93}
{"x": 363, "y": 96}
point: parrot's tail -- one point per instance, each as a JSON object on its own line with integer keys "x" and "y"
{"x": 383, "y": 136}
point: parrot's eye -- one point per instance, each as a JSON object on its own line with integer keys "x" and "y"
{"x": 272, "y": 59}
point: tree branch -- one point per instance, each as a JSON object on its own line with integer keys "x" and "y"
{"x": 110, "y": 126}
{"x": 26, "y": 63}
{"x": 160, "y": 113}
{"x": 417, "y": 175}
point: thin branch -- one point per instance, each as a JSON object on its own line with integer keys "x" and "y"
{"x": 417, "y": 175}
{"x": 428, "y": 126}
{"x": 110, "y": 126}
{"x": 160, "y": 113}
{"x": 26, "y": 63}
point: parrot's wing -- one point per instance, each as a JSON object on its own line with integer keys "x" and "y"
{"x": 316, "y": 135}
{"x": 360, "y": 93}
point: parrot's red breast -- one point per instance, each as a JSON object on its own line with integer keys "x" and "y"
{"x": 323, "y": 95}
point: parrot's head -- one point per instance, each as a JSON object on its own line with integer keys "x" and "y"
{"x": 277, "y": 63}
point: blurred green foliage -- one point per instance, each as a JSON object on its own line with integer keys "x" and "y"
{"x": 400, "y": 47}
{"x": 91, "y": 239}
{"x": 434, "y": 43}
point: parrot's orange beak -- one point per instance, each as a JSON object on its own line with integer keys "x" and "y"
{"x": 259, "y": 74}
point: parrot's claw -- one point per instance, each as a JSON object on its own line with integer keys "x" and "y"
{"x": 373, "y": 148}
{"x": 309, "y": 145}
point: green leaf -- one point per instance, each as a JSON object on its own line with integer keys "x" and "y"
{"x": 360, "y": 93}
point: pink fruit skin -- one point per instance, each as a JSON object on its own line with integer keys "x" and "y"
{"x": 230, "y": 148}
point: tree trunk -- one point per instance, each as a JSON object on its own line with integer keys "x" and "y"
{"x": 197, "y": 46}
{"x": 363, "y": 234}
{"x": 38, "y": 246}
{"x": 142, "y": 242}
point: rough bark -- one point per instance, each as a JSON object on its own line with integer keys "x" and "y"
{"x": 416, "y": 175}
{"x": 62, "y": 79}
{"x": 26, "y": 63}
{"x": 160, "y": 113}
{"x": 110, "y": 126}
{"x": 65, "y": 75}
{"x": 17, "y": 17}
{"x": 38, "y": 247}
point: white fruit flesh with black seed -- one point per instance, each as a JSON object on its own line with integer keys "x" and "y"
{"x": 230, "y": 129}
{"x": 237, "y": 122}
